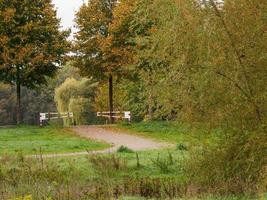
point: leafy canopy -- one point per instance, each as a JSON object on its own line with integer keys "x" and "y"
{"x": 31, "y": 44}
{"x": 92, "y": 21}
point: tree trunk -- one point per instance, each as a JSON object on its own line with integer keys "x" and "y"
{"x": 150, "y": 98}
{"x": 18, "y": 104}
{"x": 150, "y": 106}
{"x": 111, "y": 99}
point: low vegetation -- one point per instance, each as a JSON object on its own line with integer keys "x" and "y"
{"x": 157, "y": 174}
{"x": 215, "y": 156}
{"x": 124, "y": 149}
{"x": 100, "y": 177}
{"x": 184, "y": 136}
{"x": 36, "y": 140}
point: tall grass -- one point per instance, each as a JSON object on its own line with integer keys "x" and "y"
{"x": 37, "y": 178}
{"x": 221, "y": 161}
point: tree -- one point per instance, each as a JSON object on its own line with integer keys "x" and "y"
{"x": 121, "y": 46}
{"x": 248, "y": 58}
{"x": 117, "y": 47}
{"x": 7, "y": 104}
{"x": 148, "y": 18}
{"x": 77, "y": 96}
{"x": 93, "y": 20}
{"x": 31, "y": 45}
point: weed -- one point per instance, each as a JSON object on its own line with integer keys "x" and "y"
{"x": 108, "y": 163}
{"x": 171, "y": 161}
{"x": 138, "y": 165}
{"x": 159, "y": 188}
{"x": 163, "y": 163}
{"x": 181, "y": 147}
{"x": 124, "y": 149}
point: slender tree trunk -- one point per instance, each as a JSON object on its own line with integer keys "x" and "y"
{"x": 111, "y": 99}
{"x": 150, "y": 106}
{"x": 150, "y": 98}
{"x": 18, "y": 104}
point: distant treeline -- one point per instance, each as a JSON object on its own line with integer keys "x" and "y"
{"x": 33, "y": 101}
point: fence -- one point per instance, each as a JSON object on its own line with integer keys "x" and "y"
{"x": 44, "y": 117}
{"x": 116, "y": 115}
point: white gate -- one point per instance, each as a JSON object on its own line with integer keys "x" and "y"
{"x": 52, "y": 116}
{"x": 116, "y": 115}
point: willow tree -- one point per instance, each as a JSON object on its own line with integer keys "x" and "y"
{"x": 31, "y": 44}
{"x": 93, "y": 20}
{"x": 76, "y": 96}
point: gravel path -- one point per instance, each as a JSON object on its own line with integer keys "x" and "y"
{"x": 118, "y": 138}
{"x": 115, "y": 138}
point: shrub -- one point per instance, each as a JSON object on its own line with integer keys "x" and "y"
{"x": 235, "y": 165}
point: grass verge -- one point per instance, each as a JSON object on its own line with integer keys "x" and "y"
{"x": 184, "y": 136}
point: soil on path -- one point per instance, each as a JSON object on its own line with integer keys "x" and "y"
{"x": 118, "y": 138}
{"x": 114, "y": 137}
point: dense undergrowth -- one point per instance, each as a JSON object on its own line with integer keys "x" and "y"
{"x": 236, "y": 164}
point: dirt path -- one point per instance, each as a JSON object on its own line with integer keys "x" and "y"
{"x": 118, "y": 138}
{"x": 115, "y": 138}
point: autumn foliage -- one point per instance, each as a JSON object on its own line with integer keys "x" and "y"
{"x": 31, "y": 44}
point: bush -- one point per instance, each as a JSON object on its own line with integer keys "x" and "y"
{"x": 235, "y": 165}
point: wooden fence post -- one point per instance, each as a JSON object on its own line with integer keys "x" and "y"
{"x": 39, "y": 121}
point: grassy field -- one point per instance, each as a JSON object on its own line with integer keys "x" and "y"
{"x": 125, "y": 175}
{"x": 30, "y": 140}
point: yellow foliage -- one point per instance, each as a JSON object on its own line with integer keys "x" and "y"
{"x": 9, "y": 14}
{"x": 28, "y": 197}
{"x": 76, "y": 96}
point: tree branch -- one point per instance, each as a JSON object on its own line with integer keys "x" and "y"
{"x": 249, "y": 94}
